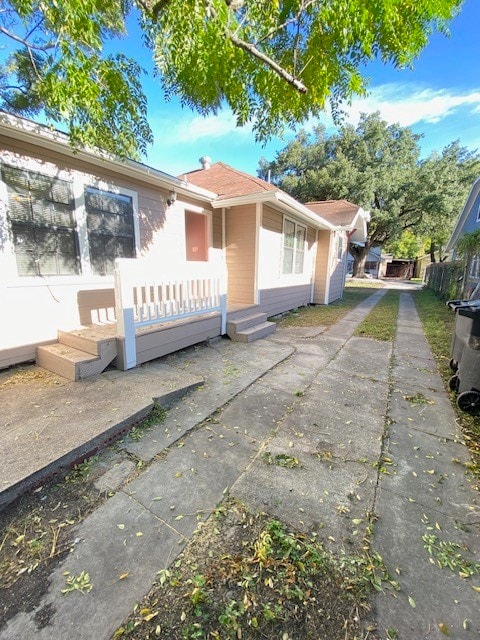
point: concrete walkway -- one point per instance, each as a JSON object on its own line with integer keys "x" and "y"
{"x": 324, "y": 397}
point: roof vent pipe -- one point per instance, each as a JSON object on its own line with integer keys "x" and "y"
{"x": 206, "y": 162}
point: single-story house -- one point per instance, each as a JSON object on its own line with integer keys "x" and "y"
{"x": 110, "y": 261}
{"x": 348, "y": 217}
{"x": 375, "y": 264}
{"x": 468, "y": 221}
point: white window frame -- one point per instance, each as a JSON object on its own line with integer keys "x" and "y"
{"x": 79, "y": 181}
{"x": 340, "y": 247}
{"x": 115, "y": 190}
{"x": 297, "y": 226}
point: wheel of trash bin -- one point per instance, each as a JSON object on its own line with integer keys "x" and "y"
{"x": 453, "y": 365}
{"x": 469, "y": 401}
{"x": 454, "y": 383}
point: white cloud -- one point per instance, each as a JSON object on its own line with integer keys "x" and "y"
{"x": 409, "y": 105}
{"x": 196, "y": 128}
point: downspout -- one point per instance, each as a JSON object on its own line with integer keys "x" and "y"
{"x": 348, "y": 234}
{"x": 224, "y": 236}
{"x": 224, "y": 296}
{"x": 331, "y": 247}
{"x": 258, "y": 224}
{"x": 314, "y": 268}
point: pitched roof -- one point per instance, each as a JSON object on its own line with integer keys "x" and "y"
{"x": 226, "y": 181}
{"x": 341, "y": 213}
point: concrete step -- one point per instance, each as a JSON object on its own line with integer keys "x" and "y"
{"x": 245, "y": 322}
{"x": 255, "y": 333}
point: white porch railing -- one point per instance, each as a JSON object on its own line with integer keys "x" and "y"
{"x": 144, "y": 297}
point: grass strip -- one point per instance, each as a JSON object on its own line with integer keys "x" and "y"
{"x": 327, "y": 315}
{"x": 438, "y": 323}
{"x": 381, "y": 322}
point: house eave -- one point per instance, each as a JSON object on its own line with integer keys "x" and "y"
{"x": 30, "y": 132}
{"x": 463, "y": 216}
{"x": 282, "y": 201}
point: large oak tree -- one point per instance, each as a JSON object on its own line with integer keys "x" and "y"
{"x": 378, "y": 166}
{"x": 274, "y": 62}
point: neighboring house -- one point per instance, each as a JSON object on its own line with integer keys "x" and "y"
{"x": 468, "y": 221}
{"x": 124, "y": 263}
{"x": 423, "y": 262}
{"x": 351, "y": 220}
{"x": 375, "y": 265}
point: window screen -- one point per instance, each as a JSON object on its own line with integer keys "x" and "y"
{"x": 110, "y": 229}
{"x": 40, "y": 210}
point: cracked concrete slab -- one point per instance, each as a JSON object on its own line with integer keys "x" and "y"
{"x": 121, "y": 538}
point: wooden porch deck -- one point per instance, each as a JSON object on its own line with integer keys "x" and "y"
{"x": 90, "y": 349}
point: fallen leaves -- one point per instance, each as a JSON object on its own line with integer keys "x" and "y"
{"x": 78, "y": 583}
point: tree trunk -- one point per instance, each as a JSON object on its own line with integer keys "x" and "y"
{"x": 360, "y": 255}
{"x": 432, "y": 251}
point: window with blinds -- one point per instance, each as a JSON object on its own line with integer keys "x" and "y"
{"x": 293, "y": 247}
{"x": 40, "y": 210}
{"x": 110, "y": 228}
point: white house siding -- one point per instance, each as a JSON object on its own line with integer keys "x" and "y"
{"x": 270, "y": 274}
{"x": 38, "y": 306}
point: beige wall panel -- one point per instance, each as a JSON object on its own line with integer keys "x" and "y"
{"x": 217, "y": 229}
{"x": 272, "y": 220}
{"x": 321, "y": 267}
{"x": 240, "y": 253}
{"x": 156, "y": 344}
{"x": 281, "y": 299}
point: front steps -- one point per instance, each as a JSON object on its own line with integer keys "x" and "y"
{"x": 250, "y": 327}
{"x": 87, "y": 352}
{"x": 78, "y": 354}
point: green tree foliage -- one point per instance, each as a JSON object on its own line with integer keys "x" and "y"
{"x": 56, "y": 64}
{"x": 277, "y": 61}
{"x": 409, "y": 246}
{"x": 378, "y": 167}
{"x": 272, "y": 61}
{"x": 442, "y": 186}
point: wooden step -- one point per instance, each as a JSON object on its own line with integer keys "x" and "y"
{"x": 88, "y": 340}
{"x": 66, "y": 361}
{"x": 255, "y": 333}
{"x": 78, "y": 354}
{"x": 245, "y": 322}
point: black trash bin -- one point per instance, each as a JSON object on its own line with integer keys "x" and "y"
{"x": 466, "y": 351}
{"x": 464, "y": 326}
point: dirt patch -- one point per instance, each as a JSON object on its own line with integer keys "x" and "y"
{"x": 249, "y": 576}
{"x": 36, "y": 533}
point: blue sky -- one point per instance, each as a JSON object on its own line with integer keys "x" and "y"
{"x": 439, "y": 98}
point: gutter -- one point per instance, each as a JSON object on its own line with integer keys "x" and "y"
{"x": 279, "y": 198}
{"x": 21, "y": 129}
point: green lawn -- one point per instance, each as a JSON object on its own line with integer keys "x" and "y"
{"x": 439, "y": 325}
{"x": 327, "y": 315}
{"x": 381, "y": 322}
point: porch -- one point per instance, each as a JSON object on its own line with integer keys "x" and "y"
{"x": 153, "y": 318}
